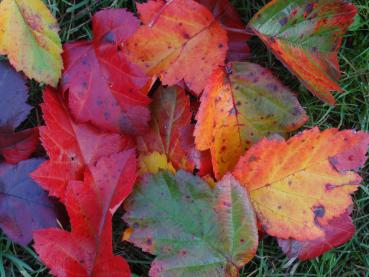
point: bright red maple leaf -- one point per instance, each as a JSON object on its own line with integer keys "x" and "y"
{"x": 104, "y": 87}
{"x": 87, "y": 249}
{"x": 71, "y": 147}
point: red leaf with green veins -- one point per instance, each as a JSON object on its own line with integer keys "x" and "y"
{"x": 338, "y": 231}
{"x": 71, "y": 147}
{"x": 105, "y": 88}
{"x": 179, "y": 41}
{"x": 171, "y": 130}
{"x": 306, "y": 36}
{"x": 24, "y": 206}
{"x": 14, "y": 146}
{"x": 227, "y": 15}
{"x": 87, "y": 250}
{"x": 240, "y": 108}
{"x": 193, "y": 229}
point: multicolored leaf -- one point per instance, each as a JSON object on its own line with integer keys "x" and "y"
{"x": 24, "y": 206}
{"x": 14, "y": 146}
{"x": 87, "y": 249}
{"x": 179, "y": 41}
{"x": 227, "y": 15}
{"x": 154, "y": 162}
{"x": 193, "y": 229}
{"x": 238, "y": 109}
{"x": 306, "y": 36}
{"x": 301, "y": 188}
{"x": 105, "y": 88}
{"x": 171, "y": 130}
{"x": 29, "y": 37}
{"x": 71, "y": 147}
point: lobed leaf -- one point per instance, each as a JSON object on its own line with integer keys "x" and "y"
{"x": 306, "y": 36}
{"x": 240, "y": 108}
{"x": 29, "y": 37}
{"x": 87, "y": 249}
{"x": 176, "y": 36}
{"x": 301, "y": 188}
{"x": 193, "y": 229}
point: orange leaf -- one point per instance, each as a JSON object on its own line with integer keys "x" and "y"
{"x": 306, "y": 37}
{"x": 240, "y": 108}
{"x": 298, "y": 187}
{"x": 180, "y": 40}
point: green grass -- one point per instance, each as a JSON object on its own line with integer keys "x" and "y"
{"x": 351, "y": 111}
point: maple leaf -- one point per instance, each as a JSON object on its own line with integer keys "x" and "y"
{"x": 24, "y": 206}
{"x": 71, "y": 147}
{"x": 227, "y": 15}
{"x": 104, "y": 88}
{"x": 338, "y": 231}
{"x": 171, "y": 130}
{"x": 306, "y": 36}
{"x": 302, "y": 186}
{"x": 180, "y": 40}
{"x": 193, "y": 229}
{"x": 14, "y": 146}
{"x": 240, "y": 108}
{"x": 29, "y": 37}
{"x": 87, "y": 249}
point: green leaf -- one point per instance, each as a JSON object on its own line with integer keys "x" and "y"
{"x": 193, "y": 229}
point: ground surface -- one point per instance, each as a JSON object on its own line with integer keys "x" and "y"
{"x": 351, "y": 111}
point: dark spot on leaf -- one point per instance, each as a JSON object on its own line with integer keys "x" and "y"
{"x": 319, "y": 211}
{"x": 109, "y": 38}
{"x": 283, "y": 21}
{"x": 220, "y": 45}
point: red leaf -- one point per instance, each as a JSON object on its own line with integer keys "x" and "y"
{"x": 104, "y": 88}
{"x": 14, "y": 146}
{"x": 230, "y": 20}
{"x": 87, "y": 249}
{"x": 338, "y": 231}
{"x": 70, "y": 146}
{"x": 24, "y": 206}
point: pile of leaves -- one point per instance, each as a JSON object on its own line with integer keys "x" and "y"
{"x": 165, "y": 115}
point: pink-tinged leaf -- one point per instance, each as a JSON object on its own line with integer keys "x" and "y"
{"x": 105, "y": 88}
{"x": 71, "y": 147}
{"x": 24, "y": 206}
{"x": 227, "y": 15}
{"x": 87, "y": 250}
{"x": 14, "y": 146}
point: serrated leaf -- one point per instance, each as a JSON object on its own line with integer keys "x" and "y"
{"x": 104, "y": 87}
{"x": 71, "y": 147}
{"x": 14, "y": 146}
{"x": 180, "y": 40}
{"x": 306, "y": 36}
{"x": 192, "y": 229}
{"x": 29, "y": 37}
{"x": 24, "y": 206}
{"x": 87, "y": 250}
{"x": 240, "y": 108}
{"x": 300, "y": 187}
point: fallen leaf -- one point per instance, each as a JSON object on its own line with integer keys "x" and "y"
{"x": 171, "y": 130}
{"x": 306, "y": 36}
{"x": 87, "y": 250}
{"x": 338, "y": 231}
{"x": 240, "y": 108}
{"x": 227, "y": 15}
{"x": 24, "y": 206}
{"x": 180, "y": 40}
{"x": 14, "y": 146}
{"x": 295, "y": 186}
{"x": 104, "y": 88}
{"x": 154, "y": 162}
{"x": 194, "y": 229}
{"x": 71, "y": 147}
{"x": 29, "y": 37}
